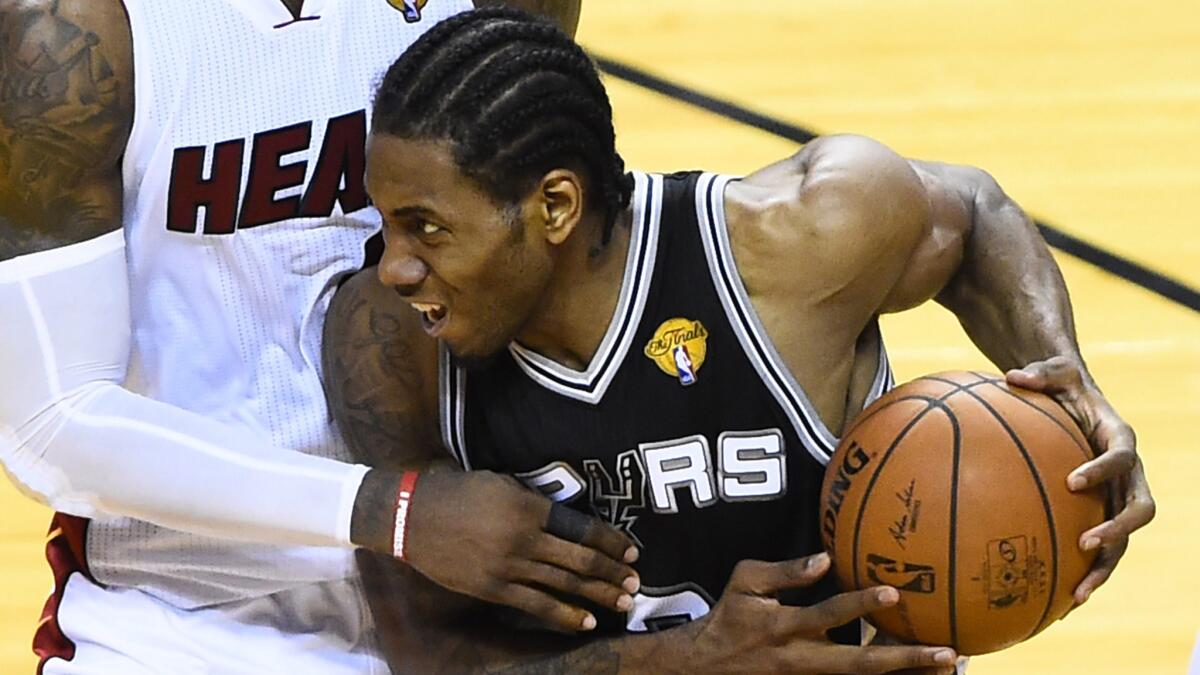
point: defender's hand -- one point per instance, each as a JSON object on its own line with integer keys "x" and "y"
{"x": 485, "y": 535}
{"x": 1116, "y": 463}
{"x": 750, "y": 632}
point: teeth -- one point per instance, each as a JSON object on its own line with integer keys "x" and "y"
{"x": 433, "y": 312}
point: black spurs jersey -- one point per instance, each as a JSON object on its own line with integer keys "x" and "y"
{"x": 686, "y": 431}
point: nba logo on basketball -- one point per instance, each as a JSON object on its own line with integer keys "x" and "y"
{"x": 411, "y": 9}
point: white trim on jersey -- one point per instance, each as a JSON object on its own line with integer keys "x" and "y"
{"x": 589, "y": 385}
{"x": 778, "y": 378}
{"x": 884, "y": 380}
{"x": 744, "y": 321}
{"x": 452, "y": 387}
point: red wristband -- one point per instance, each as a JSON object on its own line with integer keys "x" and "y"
{"x": 408, "y": 482}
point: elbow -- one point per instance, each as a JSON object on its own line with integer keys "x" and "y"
{"x": 42, "y": 481}
{"x": 35, "y": 452}
{"x": 986, "y": 198}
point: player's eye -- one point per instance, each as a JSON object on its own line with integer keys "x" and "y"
{"x": 430, "y": 228}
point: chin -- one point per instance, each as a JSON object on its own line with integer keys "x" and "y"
{"x": 473, "y": 358}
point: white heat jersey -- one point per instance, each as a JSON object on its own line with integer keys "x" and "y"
{"x": 244, "y": 205}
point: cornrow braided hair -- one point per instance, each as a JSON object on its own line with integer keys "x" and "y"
{"x": 515, "y": 97}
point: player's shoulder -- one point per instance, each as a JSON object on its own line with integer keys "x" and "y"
{"x": 833, "y": 203}
{"x": 96, "y": 24}
{"x": 67, "y": 78}
{"x": 380, "y": 369}
{"x": 69, "y": 75}
{"x": 365, "y": 312}
{"x": 363, "y": 290}
{"x": 851, "y": 170}
{"x": 830, "y": 189}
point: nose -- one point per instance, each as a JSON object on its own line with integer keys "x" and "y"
{"x": 401, "y": 269}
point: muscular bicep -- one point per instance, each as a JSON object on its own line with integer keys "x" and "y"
{"x": 381, "y": 376}
{"x": 938, "y": 254}
{"x": 850, "y": 210}
{"x": 66, "y": 107}
{"x": 877, "y": 233}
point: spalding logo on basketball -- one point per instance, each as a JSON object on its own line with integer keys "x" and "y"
{"x": 410, "y": 8}
{"x": 953, "y": 489}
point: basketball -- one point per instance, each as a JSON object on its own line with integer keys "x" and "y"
{"x": 953, "y": 489}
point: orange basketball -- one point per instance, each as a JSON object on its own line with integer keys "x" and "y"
{"x": 953, "y": 489}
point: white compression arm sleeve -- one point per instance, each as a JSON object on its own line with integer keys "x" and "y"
{"x": 73, "y": 438}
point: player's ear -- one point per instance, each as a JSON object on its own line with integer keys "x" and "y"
{"x": 559, "y": 202}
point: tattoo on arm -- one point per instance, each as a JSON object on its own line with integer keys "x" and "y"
{"x": 374, "y": 384}
{"x": 374, "y": 381}
{"x": 65, "y": 110}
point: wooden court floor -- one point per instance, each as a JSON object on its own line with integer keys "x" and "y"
{"x": 1087, "y": 113}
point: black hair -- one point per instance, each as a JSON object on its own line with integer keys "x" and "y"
{"x": 515, "y": 97}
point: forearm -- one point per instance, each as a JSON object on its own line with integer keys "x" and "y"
{"x": 1009, "y": 294}
{"x": 378, "y": 386}
{"x": 114, "y": 452}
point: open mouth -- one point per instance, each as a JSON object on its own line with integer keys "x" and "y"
{"x": 433, "y": 316}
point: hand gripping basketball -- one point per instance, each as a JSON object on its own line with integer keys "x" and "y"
{"x": 749, "y": 631}
{"x": 953, "y": 488}
{"x": 485, "y": 535}
{"x": 1116, "y": 463}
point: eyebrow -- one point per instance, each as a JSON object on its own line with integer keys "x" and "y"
{"x": 411, "y": 211}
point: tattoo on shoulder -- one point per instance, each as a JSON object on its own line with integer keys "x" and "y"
{"x": 370, "y": 380}
{"x": 64, "y": 115}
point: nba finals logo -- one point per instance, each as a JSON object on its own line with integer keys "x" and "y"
{"x": 678, "y": 348}
{"x": 411, "y": 9}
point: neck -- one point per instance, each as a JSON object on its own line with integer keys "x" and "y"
{"x": 572, "y": 319}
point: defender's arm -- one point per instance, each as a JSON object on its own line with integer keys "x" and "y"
{"x": 70, "y": 435}
{"x": 478, "y": 533}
